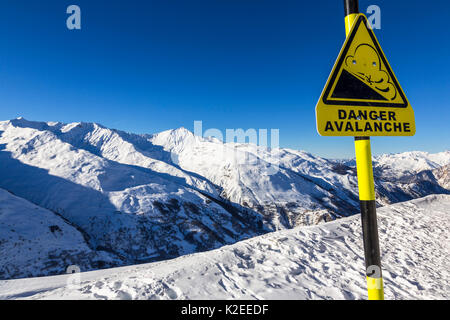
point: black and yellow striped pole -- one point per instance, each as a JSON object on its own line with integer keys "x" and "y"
{"x": 366, "y": 193}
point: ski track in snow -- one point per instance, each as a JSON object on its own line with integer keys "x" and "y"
{"x": 317, "y": 262}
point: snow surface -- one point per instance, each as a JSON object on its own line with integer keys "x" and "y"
{"x": 29, "y": 235}
{"x": 414, "y": 161}
{"x": 317, "y": 262}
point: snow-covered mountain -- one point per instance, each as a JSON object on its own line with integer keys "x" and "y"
{"x": 141, "y": 198}
{"x": 317, "y": 262}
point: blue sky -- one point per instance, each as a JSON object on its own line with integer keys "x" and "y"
{"x": 148, "y": 66}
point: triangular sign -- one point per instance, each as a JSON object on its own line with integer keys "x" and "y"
{"x": 362, "y": 81}
{"x": 362, "y": 75}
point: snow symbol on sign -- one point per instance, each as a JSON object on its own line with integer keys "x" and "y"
{"x": 365, "y": 63}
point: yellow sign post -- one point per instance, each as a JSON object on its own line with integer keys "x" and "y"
{"x": 363, "y": 98}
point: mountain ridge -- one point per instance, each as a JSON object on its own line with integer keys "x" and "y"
{"x": 151, "y": 197}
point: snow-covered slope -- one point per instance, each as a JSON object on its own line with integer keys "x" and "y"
{"x": 287, "y": 192}
{"x": 442, "y": 175}
{"x": 143, "y": 198}
{"x": 33, "y": 239}
{"x": 134, "y": 213}
{"x": 303, "y": 182}
{"x": 408, "y": 163}
{"x": 319, "y": 262}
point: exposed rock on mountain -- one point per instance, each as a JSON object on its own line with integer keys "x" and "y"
{"x": 140, "y": 198}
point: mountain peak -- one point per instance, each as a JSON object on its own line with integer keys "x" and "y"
{"x": 181, "y": 131}
{"x": 174, "y": 193}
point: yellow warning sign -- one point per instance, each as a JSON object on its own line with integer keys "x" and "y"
{"x": 362, "y": 96}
